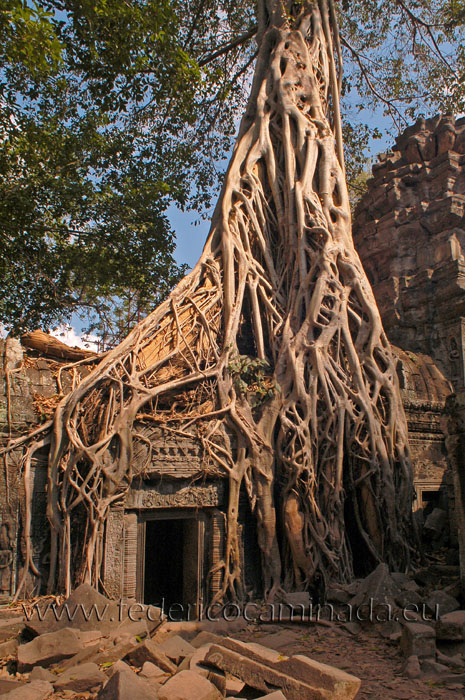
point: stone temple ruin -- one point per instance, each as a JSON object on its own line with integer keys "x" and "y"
{"x": 165, "y": 540}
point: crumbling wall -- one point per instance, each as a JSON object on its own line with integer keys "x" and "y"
{"x": 409, "y": 230}
{"x": 455, "y": 443}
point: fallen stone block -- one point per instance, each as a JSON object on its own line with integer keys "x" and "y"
{"x": 205, "y": 637}
{"x": 433, "y": 669}
{"x": 37, "y": 690}
{"x": 299, "y": 677}
{"x": 377, "y": 590}
{"x": 176, "y": 648}
{"x": 126, "y": 685}
{"x": 151, "y": 671}
{"x": 42, "y": 674}
{"x": 81, "y": 678}
{"x": 451, "y": 627}
{"x": 188, "y": 685}
{"x": 149, "y": 651}
{"x": 11, "y": 628}
{"x": 48, "y": 649}
{"x": 441, "y": 603}
{"x": 117, "y": 666}
{"x": 418, "y": 640}
{"x": 412, "y": 667}
{"x": 6, "y": 685}
{"x": 8, "y": 648}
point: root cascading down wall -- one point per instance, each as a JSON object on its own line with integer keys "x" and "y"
{"x": 270, "y": 355}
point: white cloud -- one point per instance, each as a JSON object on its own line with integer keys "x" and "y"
{"x": 67, "y": 334}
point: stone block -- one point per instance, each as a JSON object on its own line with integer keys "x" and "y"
{"x": 442, "y": 603}
{"x": 451, "y": 627}
{"x": 277, "y": 695}
{"x": 149, "y": 651}
{"x": 176, "y": 648}
{"x": 48, "y": 649}
{"x": 418, "y": 640}
{"x": 412, "y": 667}
{"x": 299, "y": 677}
{"x": 378, "y": 589}
{"x": 126, "y": 685}
{"x": 151, "y": 671}
{"x": 205, "y": 637}
{"x": 8, "y": 648}
{"x": 42, "y": 674}
{"x": 37, "y": 690}
{"x": 11, "y": 628}
{"x": 81, "y": 678}
{"x": 188, "y": 685}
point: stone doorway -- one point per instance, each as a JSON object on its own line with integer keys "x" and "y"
{"x": 171, "y": 562}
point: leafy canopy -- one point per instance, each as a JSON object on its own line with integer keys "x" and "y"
{"x": 112, "y": 110}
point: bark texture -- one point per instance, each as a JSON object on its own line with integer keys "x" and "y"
{"x": 270, "y": 352}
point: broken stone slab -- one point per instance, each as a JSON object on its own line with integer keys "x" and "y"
{"x": 48, "y": 649}
{"x": 149, "y": 651}
{"x": 6, "y": 685}
{"x": 432, "y": 669}
{"x": 41, "y": 674}
{"x": 377, "y": 589}
{"x": 176, "y": 648}
{"x": 126, "y": 685}
{"x": 188, "y": 685}
{"x": 441, "y": 603}
{"x": 196, "y": 661}
{"x": 451, "y": 627}
{"x": 151, "y": 671}
{"x": 412, "y": 667}
{"x": 277, "y": 695}
{"x": 335, "y": 594}
{"x": 37, "y": 690}
{"x": 409, "y": 599}
{"x": 81, "y": 678}
{"x": 8, "y": 648}
{"x": 117, "y": 666}
{"x": 11, "y": 628}
{"x": 299, "y": 677}
{"x": 205, "y": 637}
{"x": 456, "y": 661}
{"x": 418, "y": 640}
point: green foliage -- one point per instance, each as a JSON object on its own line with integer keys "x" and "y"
{"x": 111, "y": 111}
{"x": 106, "y": 119}
{"x": 252, "y": 376}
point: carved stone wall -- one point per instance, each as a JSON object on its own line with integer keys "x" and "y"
{"x": 455, "y": 442}
{"x": 409, "y": 230}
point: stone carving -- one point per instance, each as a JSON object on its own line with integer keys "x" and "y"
{"x": 190, "y": 496}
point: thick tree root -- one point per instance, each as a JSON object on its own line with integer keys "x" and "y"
{"x": 279, "y": 280}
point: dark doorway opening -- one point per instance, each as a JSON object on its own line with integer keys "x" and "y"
{"x": 164, "y": 555}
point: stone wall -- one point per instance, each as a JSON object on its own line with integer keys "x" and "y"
{"x": 409, "y": 230}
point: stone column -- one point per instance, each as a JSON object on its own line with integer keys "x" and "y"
{"x": 455, "y": 446}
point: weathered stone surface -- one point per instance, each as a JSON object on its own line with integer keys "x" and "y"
{"x": 149, "y": 651}
{"x": 176, "y": 648}
{"x": 277, "y": 695}
{"x": 11, "y": 628}
{"x": 431, "y": 668}
{"x": 299, "y": 677}
{"x": 442, "y": 603}
{"x": 188, "y": 685}
{"x": 8, "y": 648}
{"x": 6, "y": 685}
{"x": 451, "y": 627}
{"x": 418, "y": 640}
{"x": 412, "y": 667}
{"x": 151, "y": 671}
{"x": 37, "y": 690}
{"x": 205, "y": 637}
{"x": 48, "y": 649}
{"x": 378, "y": 589}
{"x": 42, "y": 674}
{"x": 81, "y": 678}
{"x": 126, "y": 685}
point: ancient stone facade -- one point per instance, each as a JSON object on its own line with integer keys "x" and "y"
{"x": 171, "y": 524}
{"x": 409, "y": 230}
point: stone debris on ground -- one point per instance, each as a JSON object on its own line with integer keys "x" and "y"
{"x": 338, "y": 659}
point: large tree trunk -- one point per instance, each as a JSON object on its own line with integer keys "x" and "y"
{"x": 270, "y": 352}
